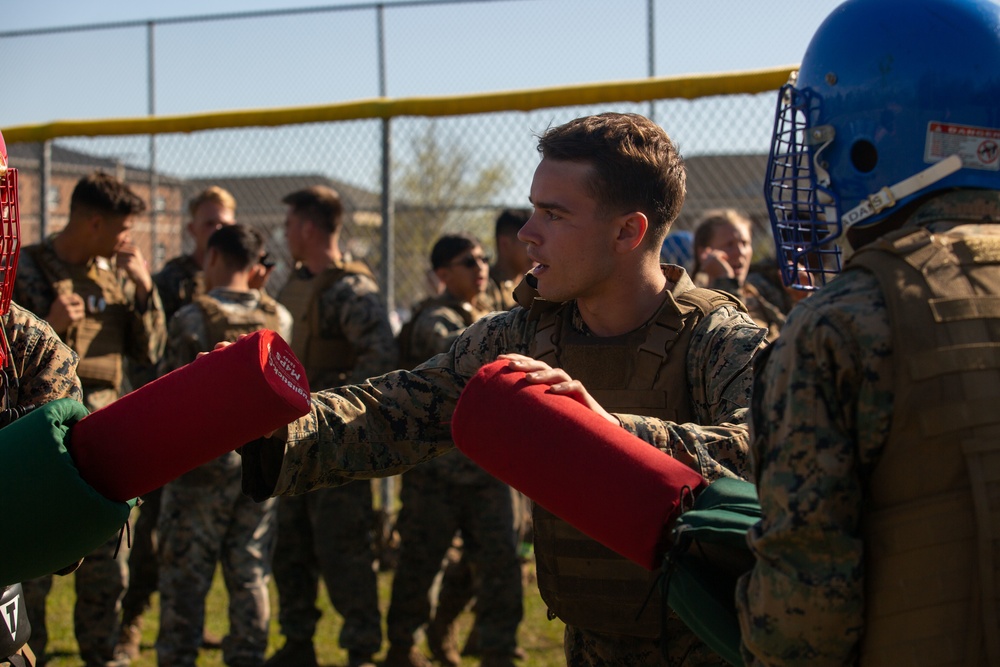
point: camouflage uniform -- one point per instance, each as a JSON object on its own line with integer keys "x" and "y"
{"x": 179, "y": 281}
{"x": 45, "y": 370}
{"x": 765, "y": 314}
{"x": 329, "y": 533}
{"x": 452, "y": 493}
{"x": 205, "y": 519}
{"x": 102, "y": 579}
{"x": 821, "y": 418}
{"x": 391, "y": 423}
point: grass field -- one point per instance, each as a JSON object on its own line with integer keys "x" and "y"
{"x": 540, "y": 638}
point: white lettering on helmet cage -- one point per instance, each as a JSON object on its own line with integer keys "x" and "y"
{"x": 979, "y": 147}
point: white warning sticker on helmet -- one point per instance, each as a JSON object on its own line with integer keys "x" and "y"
{"x": 979, "y": 147}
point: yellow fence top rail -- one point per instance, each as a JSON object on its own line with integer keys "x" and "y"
{"x": 689, "y": 86}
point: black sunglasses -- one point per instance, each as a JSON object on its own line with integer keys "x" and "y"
{"x": 471, "y": 262}
{"x": 266, "y": 261}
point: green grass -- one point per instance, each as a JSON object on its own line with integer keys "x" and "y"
{"x": 540, "y": 638}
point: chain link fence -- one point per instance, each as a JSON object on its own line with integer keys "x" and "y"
{"x": 406, "y": 172}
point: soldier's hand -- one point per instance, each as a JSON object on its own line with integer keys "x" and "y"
{"x": 66, "y": 309}
{"x": 559, "y": 381}
{"x": 715, "y": 265}
{"x": 129, "y": 259}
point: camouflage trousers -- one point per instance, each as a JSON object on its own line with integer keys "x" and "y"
{"x": 434, "y": 509}
{"x": 585, "y": 648}
{"x": 206, "y": 520}
{"x": 328, "y": 533}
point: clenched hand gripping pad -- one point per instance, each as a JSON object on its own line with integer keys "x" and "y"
{"x": 596, "y": 476}
{"x": 200, "y": 411}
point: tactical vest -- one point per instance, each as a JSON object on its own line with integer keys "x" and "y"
{"x": 227, "y": 325}
{"x": 98, "y": 338}
{"x": 932, "y": 524}
{"x": 301, "y": 297}
{"x": 644, "y": 373}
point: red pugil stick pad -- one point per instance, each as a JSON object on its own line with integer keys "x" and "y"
{"x": 213, "y": 405}
{"x": 596, "y": 476}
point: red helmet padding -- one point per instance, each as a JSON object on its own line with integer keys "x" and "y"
{"x": 198, "y": 412}
{"x": 598, "y": 477}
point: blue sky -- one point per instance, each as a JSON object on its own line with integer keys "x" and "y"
{"x": 435, "y": 49}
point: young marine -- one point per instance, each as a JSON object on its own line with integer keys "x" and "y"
{"x": 602, "y": 316}
{"x": 875, "y": 421}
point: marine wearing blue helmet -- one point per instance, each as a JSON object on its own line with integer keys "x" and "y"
{"x": 874, "y": 421}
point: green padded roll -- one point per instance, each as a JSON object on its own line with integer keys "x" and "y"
{"x": 52, "y": 517}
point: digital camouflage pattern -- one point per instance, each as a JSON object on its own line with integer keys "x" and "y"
{"x": 205, "y": 519}
{"x": 763, "y": 312}
{"x": 450, "y": 494}
{"x": 822, "y": 412}
{"x": 328, "y": 533}
{"x": 44, "y": 366}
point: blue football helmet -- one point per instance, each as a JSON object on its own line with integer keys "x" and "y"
{"x": 894, "y": 99}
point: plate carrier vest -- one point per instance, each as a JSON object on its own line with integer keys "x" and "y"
{"x": 227, "y": 325}
{"x": 301, "y": 297}
{"x": 931, "y": 524}
{"x": 98, "y": 337}
{"x": 582, "y": 582}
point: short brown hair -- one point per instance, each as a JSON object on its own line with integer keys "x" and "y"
{"x": 635, "y": 164}
{"x": 215, "y": 194}
{"x": 101, "y": 192}
{"x": 319, "y": 204}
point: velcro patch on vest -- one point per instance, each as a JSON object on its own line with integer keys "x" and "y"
{"x": 965, "y": 308}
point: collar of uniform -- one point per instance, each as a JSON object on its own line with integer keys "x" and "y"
{"x": 976, "y": 206}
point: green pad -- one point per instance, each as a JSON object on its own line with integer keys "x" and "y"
{"x": 710, "y": 553}
{"x": 52, "y": 517}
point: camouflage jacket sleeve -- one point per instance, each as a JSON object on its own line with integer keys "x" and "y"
{"x": 719, "y": 376}
{"x": 820, "y": 417}
{"x": 385, "y": 425}
{"x": 353, "y": 307}
{"x": 186, "y": 338}
{"x": 45, "y": 366}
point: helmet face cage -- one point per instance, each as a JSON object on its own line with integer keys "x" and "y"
{"x": 10, "y": 232}
{"x": 804, "y": 211}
